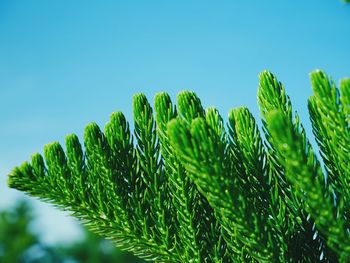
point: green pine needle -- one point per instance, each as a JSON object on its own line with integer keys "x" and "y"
{"x": 186, "y": 187}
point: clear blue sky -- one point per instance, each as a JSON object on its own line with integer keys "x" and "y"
{"x": 66, "y": 63}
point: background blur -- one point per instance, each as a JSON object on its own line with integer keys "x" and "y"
{"x": 20, "y": 244}
{"x": 66, "y": 63}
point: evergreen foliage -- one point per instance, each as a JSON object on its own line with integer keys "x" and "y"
{"x": 185, "y": 188}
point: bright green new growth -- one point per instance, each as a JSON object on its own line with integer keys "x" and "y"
{"x": 185, "y": 188}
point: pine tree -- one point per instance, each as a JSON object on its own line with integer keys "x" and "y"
{"x": 187, "y": 188}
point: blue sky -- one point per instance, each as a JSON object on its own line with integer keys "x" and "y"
{"x": 66, "y": 63}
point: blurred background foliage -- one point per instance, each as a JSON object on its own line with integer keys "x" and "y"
{"x": 20, "y": 244}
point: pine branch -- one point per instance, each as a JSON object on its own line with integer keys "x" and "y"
{"x": 190, "y": 190}
{"x": 308, "y": 181}
{"x": 201, "y": 147}
{"x": 194, "y": 237}
{"x": 296, "y": 226}
{"x": 328, "y": 113}
{"x": 248, "y": 159}
{"x": 151, "y": 190}
{"x": 95, "y": 184}
{"x": 272, "y": 96}
{"x": 206, "y": 227}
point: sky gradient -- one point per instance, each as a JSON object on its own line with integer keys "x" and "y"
{"x": 66, "y": 63}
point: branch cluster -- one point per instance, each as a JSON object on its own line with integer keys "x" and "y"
{"x": 186, "y": 187}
